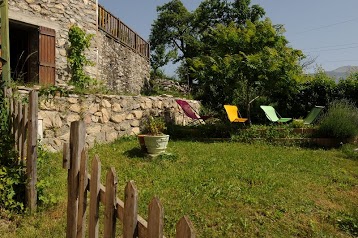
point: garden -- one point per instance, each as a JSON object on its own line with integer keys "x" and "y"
{"x": 228, "y": 189}
{"x": 251, "y": 176}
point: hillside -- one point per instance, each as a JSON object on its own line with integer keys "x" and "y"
{"x": 342, "y": 72}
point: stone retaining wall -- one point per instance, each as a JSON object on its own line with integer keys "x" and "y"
{"x": 106, "y": 117}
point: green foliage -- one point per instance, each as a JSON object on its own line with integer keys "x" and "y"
{"x": 297, "y": 123}
{"x": 340, "y": 120}
{"x": 45, "y": 179}
{"x": 79, "y": 42}
{"x": 53, "y": 90}
{"x": 348, "y": 222}
{"x": 245, "y": 62}
{"x": 154, "y": 125}
{"x": 12, "y": 176}
{"x": 12, "y": 188}
{"x": 350, "y": 151}
{"x": 180, "y": 32}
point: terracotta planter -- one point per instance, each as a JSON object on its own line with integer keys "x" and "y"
{"x": 142, "y": 143}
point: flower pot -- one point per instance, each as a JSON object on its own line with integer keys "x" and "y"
{"x": 156, "y": 144}
{"x": 142, "y": 143}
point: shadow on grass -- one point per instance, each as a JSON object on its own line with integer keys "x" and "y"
{"x": 134, "y": 153}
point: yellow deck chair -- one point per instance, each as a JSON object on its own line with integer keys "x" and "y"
{"x": 233, "y": 114}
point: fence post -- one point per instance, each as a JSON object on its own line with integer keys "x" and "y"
{"x": 82, "y": 200}
{"x": 155, "y": 219}
{"x": 130, "y": 210}
{"x": 95, "y": 184}
{"x": 77, "y": 144}
{"x": 109, "y": 213}
{"x": 185, "y": 228}
{"x": 31, "y": 159}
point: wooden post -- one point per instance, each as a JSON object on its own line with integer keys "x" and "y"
{"x": 77, "y": 144}
{"x": 82, "y": 200}
{"x": 155, "y": 219}
{"x": 185, "y": 228}
{"x": 31, "y": 167}
{"x": 95, "y": 184}
{"x": 111, "y": 202}
{"x": 130, "y": 210}
{"x": 5, "y": 45}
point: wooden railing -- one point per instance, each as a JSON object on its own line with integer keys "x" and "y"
{"x": 24, "y": 119}
{"x": 80, "y": 183}
{"x": 121, "y": 32}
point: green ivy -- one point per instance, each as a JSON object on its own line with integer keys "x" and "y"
{"x": 79, "y": 42}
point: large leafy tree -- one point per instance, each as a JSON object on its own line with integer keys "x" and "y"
{"x": 180, "y": 31}
{"x": 173, "y": 31}
{"x": 243, "y": 62}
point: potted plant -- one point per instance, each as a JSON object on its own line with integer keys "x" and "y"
{"x": 155, "y": 140}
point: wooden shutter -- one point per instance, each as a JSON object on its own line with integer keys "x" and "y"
{"x": 47, "y": 66}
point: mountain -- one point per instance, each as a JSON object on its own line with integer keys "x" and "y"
{"x": 342, "y": 72}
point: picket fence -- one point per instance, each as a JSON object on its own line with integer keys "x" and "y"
{"x": 24, "y": 126}
{"x": 80, "y": 183}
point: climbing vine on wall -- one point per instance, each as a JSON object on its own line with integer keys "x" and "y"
{"x": 79, "y": 42}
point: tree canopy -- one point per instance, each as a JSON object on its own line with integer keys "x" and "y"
{"x": 227, "y": 50}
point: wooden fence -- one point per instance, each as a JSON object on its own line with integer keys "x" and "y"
{"x": 24, "y": 119}
{"x": 80, "y": 183}
{"x": 121, "y": 32}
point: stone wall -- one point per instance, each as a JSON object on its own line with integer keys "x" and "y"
{"x": 106, "y": 117}
{"x": 120, "y": 68}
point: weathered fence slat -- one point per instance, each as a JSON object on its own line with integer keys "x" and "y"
{"x": 20, "y": 130}
{"x": 66, "y": 156}
{"x": 82, "y": 198}
{"x": 31, "y": 193}
{"x": 24, "y": 135}
{"x": 155, "y": 219}
{"x": 77, "y": 142}
{"x": 109, "y": 215}
{"x": 185, "y": 228}
{"x": 130, "y": 210}
{"x": 94, "y": 197}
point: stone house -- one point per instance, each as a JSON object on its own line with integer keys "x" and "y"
{"x": 39, "y": 39}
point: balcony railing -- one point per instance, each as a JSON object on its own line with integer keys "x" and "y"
{"x": 121, "y": 32}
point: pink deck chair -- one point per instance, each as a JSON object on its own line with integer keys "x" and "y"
{"x": 190, "y": 112}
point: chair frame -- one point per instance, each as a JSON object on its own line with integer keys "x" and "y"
{"x": 280, "y": 119}
{"x": 238, "y": 118}
{"x": 195, "y": 116}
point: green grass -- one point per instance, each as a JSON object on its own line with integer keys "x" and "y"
{"x": 227, "y": 190}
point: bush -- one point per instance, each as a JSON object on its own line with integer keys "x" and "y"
{"x": 340, "y": 121}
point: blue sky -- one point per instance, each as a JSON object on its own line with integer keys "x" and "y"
{"x": 326, "y": 29}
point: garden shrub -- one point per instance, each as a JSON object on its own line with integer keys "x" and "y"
{"x": 12, "y": 172}
{"x": 340, "y": 120}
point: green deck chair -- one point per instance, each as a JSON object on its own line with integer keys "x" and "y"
{"x": 272, "y": 115}
{"x": 313, "y": 115}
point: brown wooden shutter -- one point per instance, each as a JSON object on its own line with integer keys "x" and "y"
{"x": 47, "y": 66}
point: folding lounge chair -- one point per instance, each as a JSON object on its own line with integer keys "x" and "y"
{"x": 233, "y": 114}
{"x": 190, "y": 112}
{"x": 313, "y": 115}
{"x": 272, "y": 115}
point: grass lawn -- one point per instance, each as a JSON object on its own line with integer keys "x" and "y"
{"x": 227, "y": 190}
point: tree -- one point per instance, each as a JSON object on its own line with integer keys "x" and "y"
{"x": 172, "y": 30}
{"x": 244, "y": 62}
{"x": 181, "y": 31}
